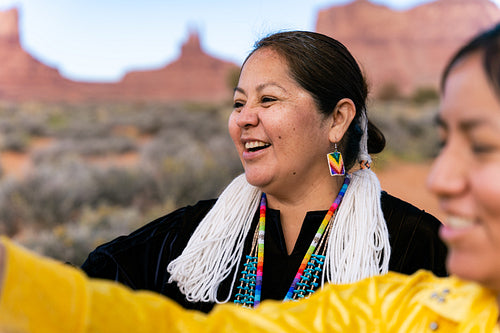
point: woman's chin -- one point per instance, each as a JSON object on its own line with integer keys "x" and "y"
{"x": 257, "y": 180}
{"x": 464, "y": 267}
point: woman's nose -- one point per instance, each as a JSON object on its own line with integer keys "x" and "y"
{"x": 448, "y": 175}
{"x": 248, "y": 116}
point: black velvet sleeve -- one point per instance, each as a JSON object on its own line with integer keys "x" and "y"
{"x": 139, "y": 260}
{"x": 415, "y": 243}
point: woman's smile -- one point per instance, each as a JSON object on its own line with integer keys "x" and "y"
{"x": 456, "y": 227}
{"x": 253, "y": 149}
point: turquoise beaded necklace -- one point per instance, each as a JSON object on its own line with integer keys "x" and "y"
{"x": 308, "y": 275}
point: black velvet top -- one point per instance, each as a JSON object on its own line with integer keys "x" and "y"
{"x": 140, "y": 259}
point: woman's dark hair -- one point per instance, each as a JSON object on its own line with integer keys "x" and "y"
{"x": 488, "y": 42}
{"x": 326, "y": 69}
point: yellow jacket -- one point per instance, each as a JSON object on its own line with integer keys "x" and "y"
{"x": 42, "y": 295}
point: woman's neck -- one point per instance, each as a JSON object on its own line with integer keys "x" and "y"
{"x": 293, "y": 207}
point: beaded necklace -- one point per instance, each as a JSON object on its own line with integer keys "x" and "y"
{"x": 305, "y": 281}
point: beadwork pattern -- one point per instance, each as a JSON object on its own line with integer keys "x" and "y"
{"x": 306, "y": 280}
{"x": 310, "y": 278}
{"x": 336, "y": 163}
{"x": 249, "y": 288}
{"x": 245, "y": 295}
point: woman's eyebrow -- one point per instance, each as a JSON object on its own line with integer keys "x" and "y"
{"x": 468, "y": 125}
{"x": 465, "y": 125}
{"x": 260, "y": 87}
{"x": 238, "y": 89}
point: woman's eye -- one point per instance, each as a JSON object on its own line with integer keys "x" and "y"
{"x": 267, "y": 99}
{"x": 482, "y": 149}
{"x": 237, "y": 105}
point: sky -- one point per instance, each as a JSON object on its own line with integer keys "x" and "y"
{"x": 101, "y": 40}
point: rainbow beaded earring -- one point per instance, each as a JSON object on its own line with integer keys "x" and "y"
{"x": 336, "y": 163}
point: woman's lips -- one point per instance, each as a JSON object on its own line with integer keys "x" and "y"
{"x": 254, "y": 148}
{"x": 455, "y": 228}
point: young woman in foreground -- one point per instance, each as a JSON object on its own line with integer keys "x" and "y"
{"x": 466, "y": 179}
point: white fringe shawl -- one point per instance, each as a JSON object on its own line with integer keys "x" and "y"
{"x": 216, "y": 245}
{"x": 358, "y": 246}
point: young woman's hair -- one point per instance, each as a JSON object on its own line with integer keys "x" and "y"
{"x": 488, "y": 44}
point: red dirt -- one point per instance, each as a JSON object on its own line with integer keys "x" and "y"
{"x": 14, "y": 164}
{"x": 407, "y": 181}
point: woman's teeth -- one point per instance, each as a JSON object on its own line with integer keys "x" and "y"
{"x": 253, "y": 145}
{"x": 458, "y": 222}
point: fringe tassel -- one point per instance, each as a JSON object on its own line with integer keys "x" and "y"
{"x": 359, "y": 240}
{"x": 216, "y": 245}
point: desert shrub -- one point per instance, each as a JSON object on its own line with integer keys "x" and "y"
{"x": 196, "y": 169}
{"x": 410, "y": 131}
{"x": 389, "y": 92}
{"x": 49, "y": 196}
{"x": 26, "y": 124}
{"x": 81, "y": 131}
{"x": 88, "y": 146}
{"x": 72, "y": 242}
{"x": 424, "y": 95}
{"x": 54, "y": 196}
{"x": 125, "y": 187}
{"x": 11, "y": 203}
{"x": 15, "y": 141}
{"x": 16, "y": 131}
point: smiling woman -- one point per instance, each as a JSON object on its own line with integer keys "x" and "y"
{"x": 465, "y": 175}
{"x": 300, "y": 98}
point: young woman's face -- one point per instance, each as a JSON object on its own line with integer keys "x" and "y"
{"x": 466, "y": 174}
{"x": 281, "y": 137}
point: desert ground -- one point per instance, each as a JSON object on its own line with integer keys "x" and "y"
{"x": 408, "y": 181}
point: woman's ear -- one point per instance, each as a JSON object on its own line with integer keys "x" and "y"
{"x": 344, "y": 113}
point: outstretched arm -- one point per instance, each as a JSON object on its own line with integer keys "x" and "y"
{"x": 42, "y": 295}
{"x": 2, "y": 265}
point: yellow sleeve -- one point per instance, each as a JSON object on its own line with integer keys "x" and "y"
{"x": 38, "y": 295}
{"x": 43, "y": 295}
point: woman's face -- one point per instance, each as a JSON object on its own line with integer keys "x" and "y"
{"x": 466, "y": 174}
{"x": 280, "y": 136}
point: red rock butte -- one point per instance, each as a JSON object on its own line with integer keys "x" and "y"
{"x": 195, "y": 76}
{"x": 407, "y": 49}
{"x": 404, "y": 49}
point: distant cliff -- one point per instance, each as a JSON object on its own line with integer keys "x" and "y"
{"x": 194, "y": 76}
{"x": 406, "y": 49}
{"x": 22, "y": 77}
{"x": 403, "y": 49}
